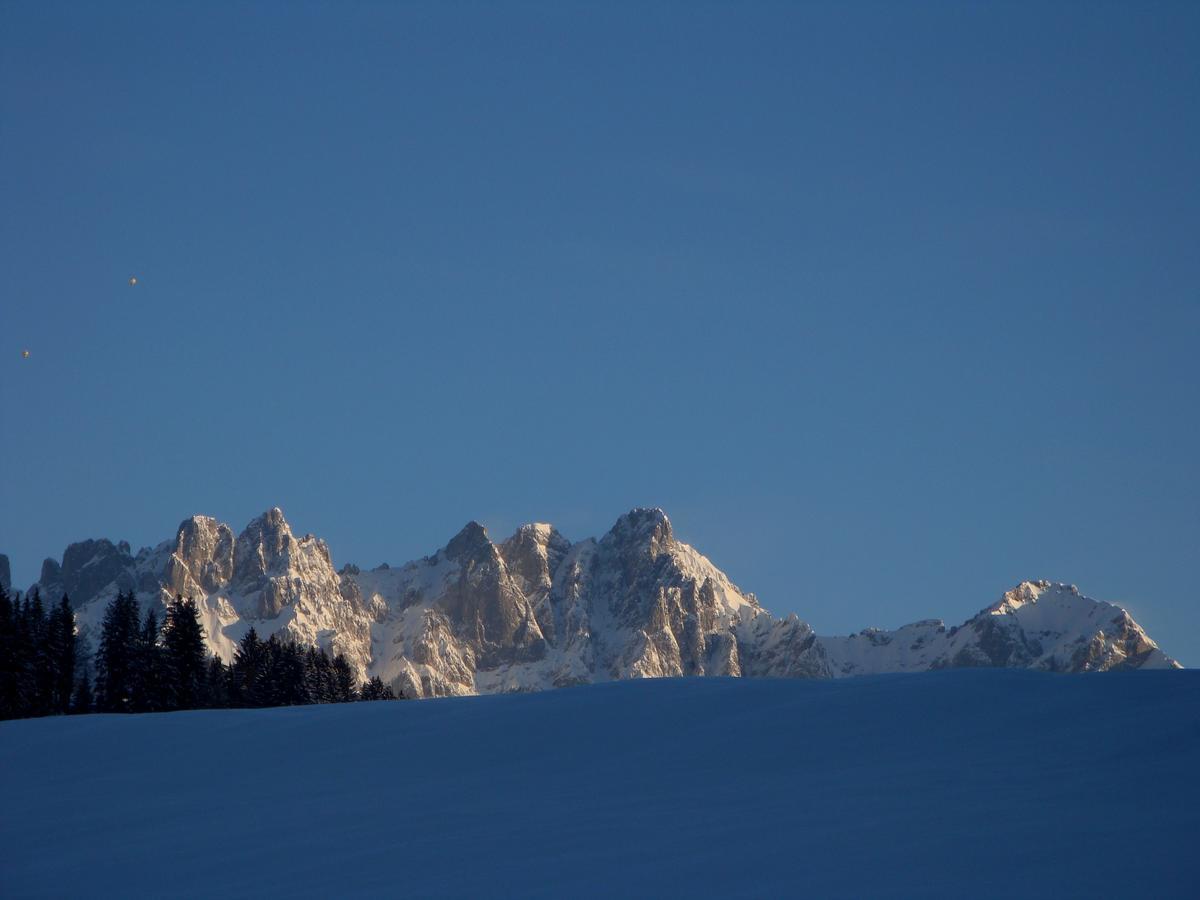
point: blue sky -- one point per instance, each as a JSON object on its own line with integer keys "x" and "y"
{"x": 889, "y": 306}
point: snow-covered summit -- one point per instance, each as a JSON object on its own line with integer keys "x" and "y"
{"x": 1036, "y": 625}
{"x": 536, "y": 611}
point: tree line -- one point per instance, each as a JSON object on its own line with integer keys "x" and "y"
{"x": 144, "y": 665}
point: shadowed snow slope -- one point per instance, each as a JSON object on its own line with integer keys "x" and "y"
{"x": 976, "y": 782}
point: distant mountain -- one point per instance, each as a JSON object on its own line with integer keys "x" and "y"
{"x": 536, "y": 611}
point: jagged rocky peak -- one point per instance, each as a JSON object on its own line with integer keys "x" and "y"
{"x": 268, "y": 546}
{"x": 484, "y": 605}
{"x": 261, "y": 543}
{"x": 87, "y": 568}
{"x": 51, "y": 573}
{"x": 643, "y": 527}
{"x": 202, "y": 558}
{"x": 533, "y": 554}
{"x": 274, "y": 569}
{"x": 5, "y": 573}
{"x": 472, "y": 543}
{"x": 1030, "y": 592}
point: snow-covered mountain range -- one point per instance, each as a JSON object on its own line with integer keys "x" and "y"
{"x": 536, "y": 611}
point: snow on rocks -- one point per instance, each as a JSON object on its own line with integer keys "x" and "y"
{"x": 535, "y": 611}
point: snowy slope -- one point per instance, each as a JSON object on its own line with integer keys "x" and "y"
{"x": 981, "y": 783}
{"x": 535, "y": 611}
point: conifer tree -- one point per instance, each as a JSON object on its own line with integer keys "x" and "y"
{"x": 41, "y": 658}
{"x": 250, "y": 671}
{"x": 217, "y": 681}
{"x": 343, "y": 680}
{"x": 319, "y": 676}
{"x": 287, "y": 673}
{"x": 375, "y": 689}
{"x": 9, "y": 705}
{"x": 81, "y": 700}
{"x": 116, "y": 657}
{"x": 61, "y": 653}
{"x": 184, "y": 653}
{"x": 150, "y": 689}
{"x": 21, "y": 663}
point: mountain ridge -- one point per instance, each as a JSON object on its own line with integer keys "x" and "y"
{"x": 536, "y": 611}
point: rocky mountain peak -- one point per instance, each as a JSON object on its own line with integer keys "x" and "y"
{"x": 87, "y": 568}
{"x": 262, "y": 546}
{"x": 643, "y": 528}
{"x": 269, "y": 529}
{"x": 202, "y": 558}
{"x": 1029, "y": 592}
{"x": 5, "y": 573}
{"x": 51, "y": 573}
{"x": 533, "y": 554}
{"x": 471, "y": 543}
{"x": 272, "y": 569}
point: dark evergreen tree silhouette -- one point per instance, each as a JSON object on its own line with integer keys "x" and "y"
{"x": 287, "y": 675}
{"x": 343, "y": 680}
{"x": 41, "y": 658}
{"x": 61, "y": 652}
{"x": 318, "y": 676}
{"x": 117, "y": 656}
{"x": 141, "y": 667}
{"x": 28, "y": 635}
{"x": 81, "y": 700}
{"x": 217, "y": 684}
{"x": 375, "y": 689}
{"x": 184, "y": 654}
{"x": 10, "y": 706}
{"x": 251, "y": 665}
{"x": 150, "y": 687}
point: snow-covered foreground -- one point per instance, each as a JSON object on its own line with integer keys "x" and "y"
{"x": 987, "y": 783}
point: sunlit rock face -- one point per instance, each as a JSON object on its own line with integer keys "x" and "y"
{"x": 202, "y": 559}
{"x": 536, "y": 611}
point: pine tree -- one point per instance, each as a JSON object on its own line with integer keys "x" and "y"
{"x": 217, "y": 682}
{"x": 41, "y": 657}
{"x": 343, "y": 680}
{"x": 250, "y": 671}
{"x": 8, "y": 657}
{"x": 184, "y": 653}
{"x": 82, "y": 701}
{"x": 319, "y": 676}
{"x": 287, "y": 673}
{"x": 375, "y": 689}
{"x": 61, "y": 653}
{"x": 116, "y": 657}
{"x": 21, "y": 661}
{"x": 150, "y": 689}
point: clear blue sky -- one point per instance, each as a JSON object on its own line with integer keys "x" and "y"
{"x": 889, "y": 306}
